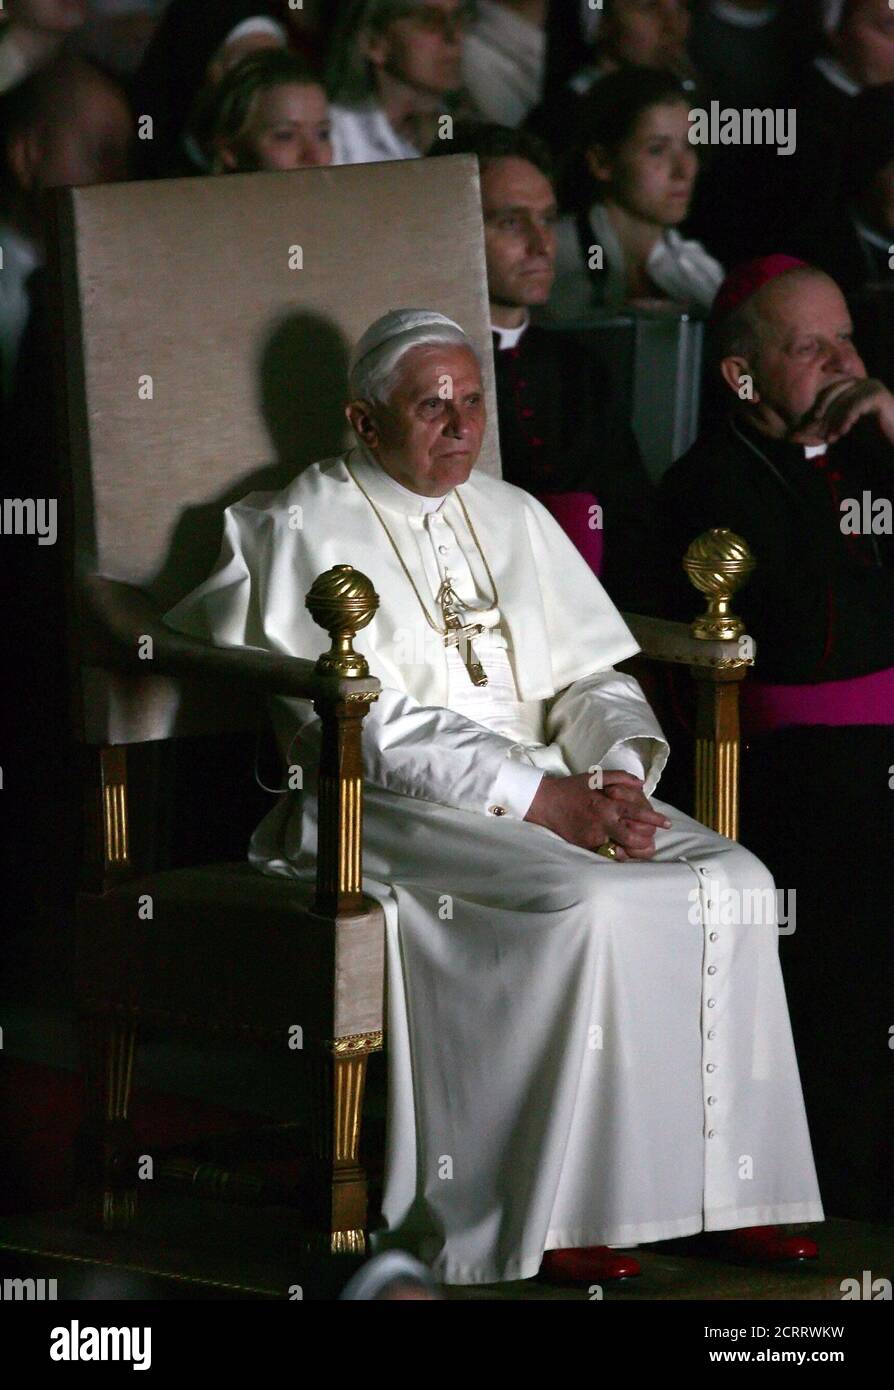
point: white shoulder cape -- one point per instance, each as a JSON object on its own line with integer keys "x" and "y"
{"x": 560, "y": 622}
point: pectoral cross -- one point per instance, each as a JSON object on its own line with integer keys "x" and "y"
{"x": 459, "y": 634}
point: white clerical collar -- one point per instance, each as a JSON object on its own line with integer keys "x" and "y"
{"x": 511, "y": 337}
{"x": 747, "y": 437}
{"x": 743, "y": 19}
{"x": 386, "y": 491}
{"x": 833, "y": 72}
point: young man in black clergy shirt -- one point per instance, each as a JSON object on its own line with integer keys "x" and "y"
{"x": 562, "y": 427}
{"x": 807, "y": 437}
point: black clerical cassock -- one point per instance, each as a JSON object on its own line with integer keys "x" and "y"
{"x": 818, "y": 804}
{"x": 563, "y": 429}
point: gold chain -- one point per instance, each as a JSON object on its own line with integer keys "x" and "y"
{"x": 442, "y": 631}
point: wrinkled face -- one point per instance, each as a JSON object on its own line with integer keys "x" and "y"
{"x": 424, "y": 48}
{"x": 288, "y": 129}
{"x": 648, "y": 33}
{"x": 52, "y": 16}
{"x": 652, "y": 175}
{"x": 520, "y": 218}
{"x": 428, "y": 435}
{"x": 865, "y": 42}
{"x": 90, "y": 143}
{"x": 806, "y": 345}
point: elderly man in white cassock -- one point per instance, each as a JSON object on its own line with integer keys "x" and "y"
{"x": 582, "y": 1055}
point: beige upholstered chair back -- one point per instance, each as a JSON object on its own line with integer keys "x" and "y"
{"x": 207, "y": 326}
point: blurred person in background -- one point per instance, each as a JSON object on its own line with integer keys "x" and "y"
{"x": 396, "y": 69}
{"x": 32, "y": 33}
{"x": 750, "y": 53}
{"x": 638, "y": 33}
{"x": 195, "y": 44}
{"x": 504, "y": 58}
{"x": 269, "y": 112}
{"x": 859, "y": 50}
{"x": 67, "y": 125}
{"x": 118, "y": 32}
{"x": 624, "y": 33}
{"x": 746, "y": 50}
{"x": 310, "y": 28}
{"x": 852, "y": 237}
{"x": 637, "y": 175}
{"x": 564, "y": 435}
{"x": 854, "y": 240}
{"x": 858, "y": 53}
{"x": 256, "y": 36}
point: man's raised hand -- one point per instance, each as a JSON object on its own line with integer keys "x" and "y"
{"x": 838, "y": 407}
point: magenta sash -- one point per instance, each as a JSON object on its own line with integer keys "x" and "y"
{"x": 572, "y": 511}
{"x": 859, "y": 700}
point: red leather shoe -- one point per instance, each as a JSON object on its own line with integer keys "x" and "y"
{"x": 762, "y": 1245}
{"x": 594, "y": 1264}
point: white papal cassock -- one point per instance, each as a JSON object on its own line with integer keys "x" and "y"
{"x": 580, "y": 1051}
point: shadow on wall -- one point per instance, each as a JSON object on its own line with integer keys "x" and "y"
{"x": 302, "y": 388}
{"x": 303, "y": 380}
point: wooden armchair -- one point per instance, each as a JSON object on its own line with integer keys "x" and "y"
{"x": 202, "y": 334}
{"x": 176, "y": 948}
{"x": 202, "y": 328}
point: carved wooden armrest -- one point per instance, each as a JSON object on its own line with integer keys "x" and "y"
{"x": 663, "y": 640}
{"x": 124, "y": 617}
{"x": 718, "y": 653}
{"x": 120, "y": 620}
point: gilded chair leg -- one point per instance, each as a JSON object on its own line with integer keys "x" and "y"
{"x": 339, "y": 1216}
{"x": 717, "y": 752}
{"x": 107, "y": 1149}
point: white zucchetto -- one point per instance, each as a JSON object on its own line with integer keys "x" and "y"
{"x": 387, "y": 340}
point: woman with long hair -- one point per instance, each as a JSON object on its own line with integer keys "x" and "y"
{"x": 269, "y": 112}
{"x": 619, "y": 34}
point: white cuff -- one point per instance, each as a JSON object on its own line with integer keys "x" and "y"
{"x": 625, "y": 757}
{"x": 515, "y": 789}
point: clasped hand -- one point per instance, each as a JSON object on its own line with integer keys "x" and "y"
{"x": 584, "y": 816}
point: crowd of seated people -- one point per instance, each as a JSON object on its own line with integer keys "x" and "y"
{"x": 595, "y": 201}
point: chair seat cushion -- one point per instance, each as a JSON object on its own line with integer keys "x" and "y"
{"x": 225, "y": 949}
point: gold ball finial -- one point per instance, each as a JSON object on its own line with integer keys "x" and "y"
{"x": 342, "y": 600}
{"x": 718, "y": 562}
